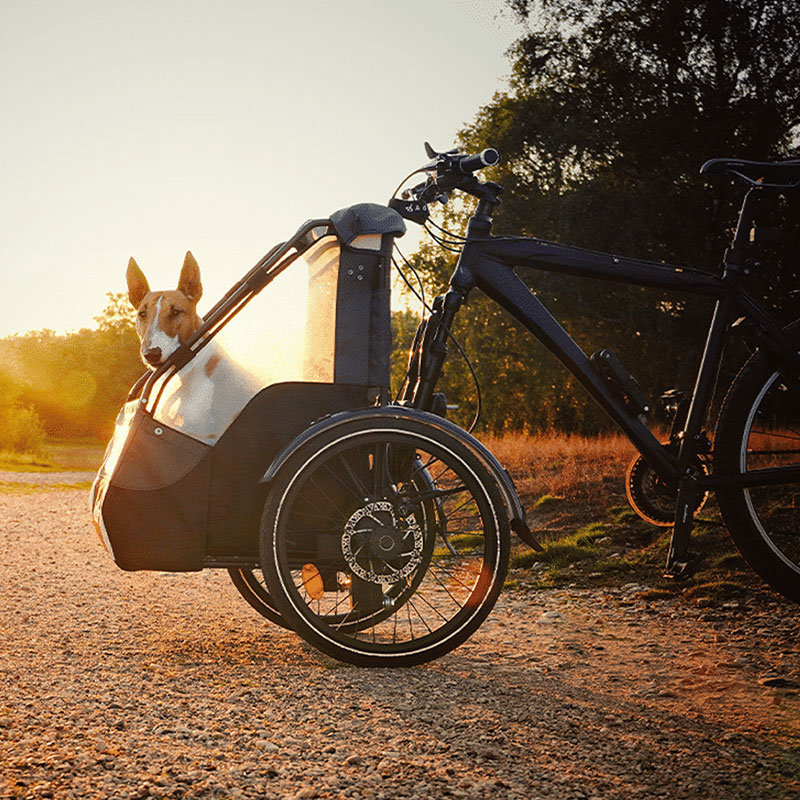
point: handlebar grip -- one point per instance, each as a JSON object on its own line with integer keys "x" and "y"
{"x": 486, "y": 158}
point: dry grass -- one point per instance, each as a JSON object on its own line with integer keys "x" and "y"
{"x": 556, "y": 472}
{"x": 572, "y": 488}
{"x": 57, "y": 456}
{"x": 25, "y": 462}
{"x": 76, "y": 455}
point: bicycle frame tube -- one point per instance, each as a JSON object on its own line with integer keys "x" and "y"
{"x": 488, "y": 264}
{"x": 550, "y": 257}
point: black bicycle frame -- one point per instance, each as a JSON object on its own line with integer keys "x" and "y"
{"x": 488, "y": 262}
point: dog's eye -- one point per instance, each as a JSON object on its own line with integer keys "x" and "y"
{"x": 175, "y": 312}
{"x": 142, "y": 315}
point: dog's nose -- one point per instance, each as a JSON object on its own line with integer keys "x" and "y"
{"x": 153, "y": 355}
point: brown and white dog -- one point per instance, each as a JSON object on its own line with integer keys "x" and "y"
{"x": 211, "y": 389}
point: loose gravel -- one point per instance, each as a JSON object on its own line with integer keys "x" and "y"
{"x": 138, "y": 685}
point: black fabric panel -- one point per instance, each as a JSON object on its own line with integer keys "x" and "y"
{"x": 156, "y": 456}
{"x": 380, "y": 322}
{"x": 163, "y": 529}
{"x": 363, "y": 317}
{"x": 244, "y": 452}
{"x": 354, "y": 301}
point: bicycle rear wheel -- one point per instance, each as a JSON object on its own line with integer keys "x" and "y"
{"x": 759, "y": 428}
{"x": 384, "y": 541}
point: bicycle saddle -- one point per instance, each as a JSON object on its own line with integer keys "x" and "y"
{"x": 770, "y": 174}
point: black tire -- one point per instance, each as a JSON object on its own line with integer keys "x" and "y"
{"x": 254, "y": 590}
{"x": 384, "y": 541}
{"x": 759, "y": 427}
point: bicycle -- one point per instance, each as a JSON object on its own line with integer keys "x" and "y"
{"x": 745, "y": 458}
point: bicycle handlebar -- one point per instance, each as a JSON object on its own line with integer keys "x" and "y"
{"x": 446, "y": 171}
{"x": 452, "y": 170}
{"x": 475, "y": 161}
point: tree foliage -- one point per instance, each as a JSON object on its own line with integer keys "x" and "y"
{"x": 20, "y": 427}
{"x": 76, "y": 382}
{"x": 611, "y": 108}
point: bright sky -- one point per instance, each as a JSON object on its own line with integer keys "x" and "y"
{"x": 155, "y": 127}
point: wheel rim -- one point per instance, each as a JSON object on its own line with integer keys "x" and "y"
{"x": 404, "y": 537}
{"x": 256, "y": 593}
{"x": 772, "y": 439}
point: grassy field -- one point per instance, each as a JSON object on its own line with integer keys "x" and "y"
{"x": 575, "y": 477}
{"x": 59, "y": 456}
{"x": 573, "y": 490}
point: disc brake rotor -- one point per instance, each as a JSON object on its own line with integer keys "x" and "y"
{"x": 380, "y": 548}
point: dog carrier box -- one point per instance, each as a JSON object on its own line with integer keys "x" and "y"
{"x": 304, "y": 334}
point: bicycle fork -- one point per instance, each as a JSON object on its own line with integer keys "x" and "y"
{"x": 445, "y": 308}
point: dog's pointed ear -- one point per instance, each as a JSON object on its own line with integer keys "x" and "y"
{"x": 189, "y": 282}
{"x": 137, "y": 284}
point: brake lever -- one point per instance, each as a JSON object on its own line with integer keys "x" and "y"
{"x": 433, "y": 155}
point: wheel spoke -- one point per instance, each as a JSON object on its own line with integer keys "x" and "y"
{"x": 450, "y": 575}
{"x": 416, "y": 611}
{"x": 380, "y": 507}
{"x": 444, "y": 585}
{"x": 322, "y": 491}
{"x": 380, "y": 470}
{"x": 362, "y": 493}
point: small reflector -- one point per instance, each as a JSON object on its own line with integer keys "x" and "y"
{"x": 312, "y": 581}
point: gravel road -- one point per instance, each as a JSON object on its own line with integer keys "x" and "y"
{"x": 136, "y": 685}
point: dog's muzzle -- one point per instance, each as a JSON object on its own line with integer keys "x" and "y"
{"x": 152, "y": 356}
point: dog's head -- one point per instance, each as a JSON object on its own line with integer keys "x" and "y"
{"x": 167, "y": 319}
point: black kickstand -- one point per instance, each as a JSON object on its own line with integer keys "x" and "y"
{"x": 679, "y": 563}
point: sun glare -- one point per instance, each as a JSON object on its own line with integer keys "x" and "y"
{"x": 266, "y": 338}
{"x": 287, "y": 332}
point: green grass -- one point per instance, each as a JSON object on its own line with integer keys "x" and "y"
{"x": 25, "y": 462}
{"x": 571, "y": 549}
{"x": 624, "y": 549}
{"x": 625, "y": 515}
{"x": 717, "y": 591}
{"x": 548, "y": 501}
{"x": 465, "y": 541}
{"x": 77, "y": 455}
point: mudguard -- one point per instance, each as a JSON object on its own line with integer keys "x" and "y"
{"x": 514, "y": 509}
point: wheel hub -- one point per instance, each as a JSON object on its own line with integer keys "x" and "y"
{"x": 380, "y": 548}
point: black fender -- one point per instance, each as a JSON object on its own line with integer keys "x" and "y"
{"x": 514, "y": 509}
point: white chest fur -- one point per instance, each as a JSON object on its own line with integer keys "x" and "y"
{"x": 206, "y": 395}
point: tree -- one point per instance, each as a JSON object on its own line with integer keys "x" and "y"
{"x": 77, "y": 382}
{"x": 404, "y": 326}
{"x": 20, "y": 428}
{"x": 611, "y": 108}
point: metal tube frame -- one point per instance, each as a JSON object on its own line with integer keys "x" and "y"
{"x": 148, "y": 389}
